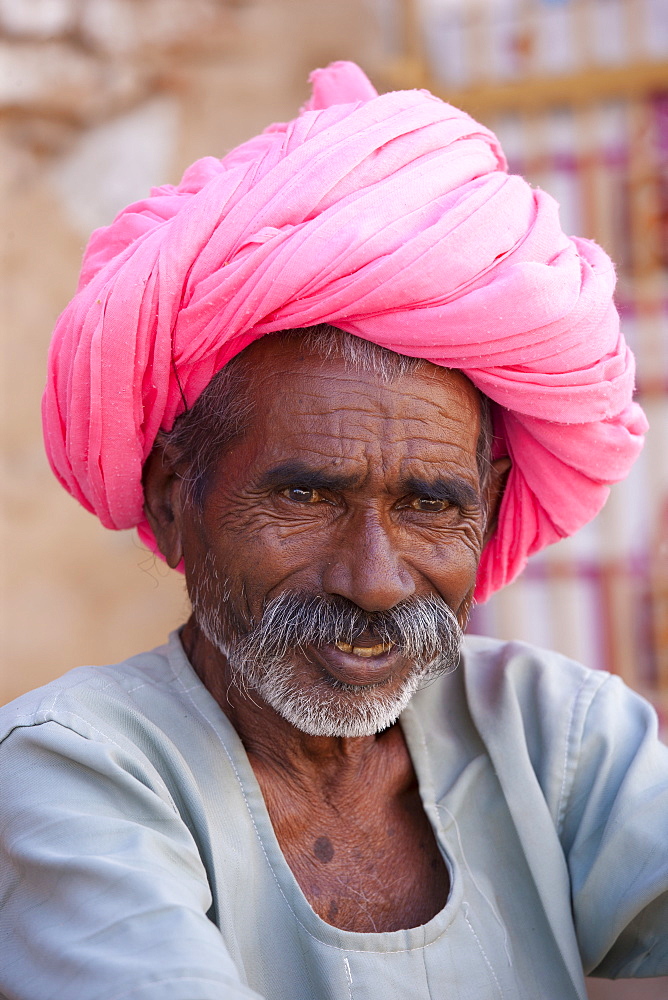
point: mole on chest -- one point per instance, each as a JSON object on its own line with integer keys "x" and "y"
{"x": 371, "y": 883}
{"x": 323, "y": 849}
{"x": 362, "y": 851}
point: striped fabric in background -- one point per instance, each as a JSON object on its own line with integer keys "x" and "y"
{"x": 577, "y": 91}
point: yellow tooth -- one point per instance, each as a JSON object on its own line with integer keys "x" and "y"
{"x": 364, "y": 651}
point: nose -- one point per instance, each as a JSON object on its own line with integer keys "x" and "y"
{"x": 366, "y": 567}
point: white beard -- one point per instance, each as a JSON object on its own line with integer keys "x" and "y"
{"x": 326, "y": 707}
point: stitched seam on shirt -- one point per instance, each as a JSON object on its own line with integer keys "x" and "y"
{"x": 114, "y": 682}
{"x": 349, "y": 977}
{"x": 110, "y": 683}
{"x": 353, "y": 951}
{"x": 53, "y": 703}
{"x": 64, "y": 725}
{"x": 39, "y": 716}
{"x": 426, "y": 975}
{"x": 564, "y": 791}
{"x": 72, "y": 716}
{"x": 482, "y": 951}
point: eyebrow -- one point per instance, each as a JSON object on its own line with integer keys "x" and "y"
{"x": 305, "y": 475}
{"x": 453, "y": 490}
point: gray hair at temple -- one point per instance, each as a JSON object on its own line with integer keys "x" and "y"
{"x": 223, "y": 410}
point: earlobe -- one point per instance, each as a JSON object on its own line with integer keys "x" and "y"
{"x": 496, "y": 485}
{"x": 162, "y": 503}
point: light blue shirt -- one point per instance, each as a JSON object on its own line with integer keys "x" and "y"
{"x": 138, "y": 860}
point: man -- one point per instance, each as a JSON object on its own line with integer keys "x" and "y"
{"x": 317, "y": 789}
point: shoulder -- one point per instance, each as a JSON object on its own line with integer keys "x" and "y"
{"x": 545, "y": 696}
{"x": 493, "y": 667}
{"x": 553, "y": 706}
{"x": 536, "y": 690}
{"x": 540, "y": 718}
{"x": 134, "y": 704}
{"x": 513, "y": 688}
{"x": 136, "y": 728}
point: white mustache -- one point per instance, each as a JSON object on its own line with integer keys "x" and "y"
{"x": 420, "y": 628}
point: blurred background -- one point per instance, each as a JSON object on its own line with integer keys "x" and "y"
{"x": 100, "y": 99}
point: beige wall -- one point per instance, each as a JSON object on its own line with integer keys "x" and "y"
{"x": 96, "y": 107}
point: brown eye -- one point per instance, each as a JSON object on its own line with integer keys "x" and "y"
{"x": 429, "y": 505}
{"x": 302, "y": 494}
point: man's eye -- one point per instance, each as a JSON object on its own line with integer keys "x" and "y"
{"x": 429, "y": 505}
{"x": 302, "y": 494}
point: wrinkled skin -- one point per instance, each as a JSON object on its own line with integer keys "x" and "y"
{"x": 340, "y": 485}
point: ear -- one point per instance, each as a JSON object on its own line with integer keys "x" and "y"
{"x": 496, "y": 484}
{"x": 162, "y": 503}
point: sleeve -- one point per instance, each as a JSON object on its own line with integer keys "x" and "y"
{"x": 615, "y": 834}
{"x": 103, "y": 894}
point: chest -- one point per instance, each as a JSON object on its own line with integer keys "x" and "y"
{"x": 367, "y": 865}
{"x": 477, "y": 947}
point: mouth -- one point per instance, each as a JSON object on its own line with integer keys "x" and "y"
{"x": 363, "y": 663}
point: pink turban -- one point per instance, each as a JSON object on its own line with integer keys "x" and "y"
{"x": 393, "y": 218}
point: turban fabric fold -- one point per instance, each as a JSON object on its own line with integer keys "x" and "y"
{"x": 394, "y": 218}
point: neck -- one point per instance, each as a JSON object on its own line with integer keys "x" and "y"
{"x": 271, "y": 742}
{"x": 346, "y": 812}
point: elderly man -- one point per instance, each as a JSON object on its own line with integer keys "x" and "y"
{"x": 345, "y": 379}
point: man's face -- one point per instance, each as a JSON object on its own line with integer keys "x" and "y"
{"x": 349, "y": 494}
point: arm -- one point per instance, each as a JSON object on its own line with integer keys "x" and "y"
{"x": 615, "y": 834}
{"x": 103, "y": 893}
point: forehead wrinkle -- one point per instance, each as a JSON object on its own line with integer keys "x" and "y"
{"x": 357, "y": 383}
{"x": 347, "y": 421}
{"x": 389, "y": 469}
{"x": 347, "y": 424}
{"x": 311, "y": 383}
{"x": 424, "y": 426}
{"x": 283, "y": 361}
{"x": 356, "y": 442}
{"x": 388, "y": 404}
{"x": 314, "y": 370}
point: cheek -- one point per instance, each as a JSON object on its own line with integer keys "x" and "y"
{"x": 256, "y": 553}
{"x": 451, "y": 563}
